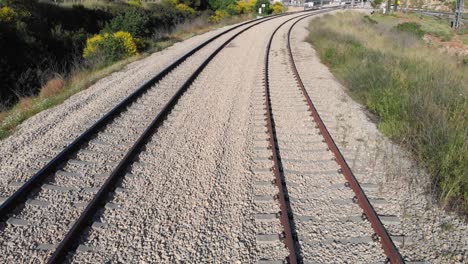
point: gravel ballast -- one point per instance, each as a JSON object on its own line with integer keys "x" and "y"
{"x": 424, "y": 232}
{"x": 327, "y": 222}
{"x": 202, "y": 189}
{"x": 36, "y": 139}
{"x": 189, "y": 197}
{"x": 34, "y": 231}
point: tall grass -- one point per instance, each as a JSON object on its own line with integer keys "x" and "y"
{"x": 419, "y": 94}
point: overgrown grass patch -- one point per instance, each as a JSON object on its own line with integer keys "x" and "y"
{"x": 419, "y": 94}
{"x": 30, "y": 106}
{"x": 428, "y": 24}
{"x": 432, "y": 25}
{"x": 411, "y": 27}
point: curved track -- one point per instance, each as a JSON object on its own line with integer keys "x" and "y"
{"x": 75, "y": 186}
{"x": 108, "y": 147}
{"x": 289, "y": 114}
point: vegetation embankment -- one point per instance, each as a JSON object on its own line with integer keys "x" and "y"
{"x": 48, "y": 51}
{"x": 418, "y": 92}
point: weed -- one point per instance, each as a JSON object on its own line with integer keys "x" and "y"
{"x": 411, "y": 27}
{"x": 368, "y": 19}
{"x": 447, "y": 227}
{"x": 52, "y": 87}
{"x": 465, "y": 61}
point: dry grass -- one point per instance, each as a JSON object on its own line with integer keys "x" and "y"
{"x": 3, "y": 115}
{"x": 25, "y": 103}
{"x": 55, "y": 92}
{"x": 419, "y": 93}
{"x": 201, "y": 25}
{"x": 191, "y": 28}
{"x": 52, "y": 87}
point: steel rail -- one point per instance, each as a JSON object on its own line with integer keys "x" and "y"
{"x": 73, "y": 236}
{"x": 21, "y": 194}
{"x": 387, "y": 244}
{"x": 290, "y": 240}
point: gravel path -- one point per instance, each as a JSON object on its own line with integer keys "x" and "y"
{"x": 399, "y": 188}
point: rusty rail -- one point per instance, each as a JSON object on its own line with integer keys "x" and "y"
{"x": 70, "y": 240}
{"x": 387, "y": 244}
{"x": 290, "y": 239}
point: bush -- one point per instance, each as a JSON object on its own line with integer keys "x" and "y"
{"x": 7, "y": 14}
{"x": 412, "y": 28}
{"x": 368, "y": 19}
{"x": 243, "y": 7}
{"x": 107, "y": 48}
{"x": 136, "y": 3}
{"x": 128, "y": 42}
{"x": 277, "y": 8}
{"x": 232, "y": 10}
{"x": 92, "y": 45}
{"x": 218, "y": 16}
{"x": 465, "y": 61}
{"x": 134, "y": 20}
{"x": 166, "y": 15}
{"x": 183, "y": 8}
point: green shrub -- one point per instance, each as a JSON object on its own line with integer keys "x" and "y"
{"x": 277, "y": 8}
{"x": 368, "y": 19}
{"x": 134, "y": 20}
{"x": 166, "y": 15}
{"x": 465, "y": 61}
{"x": 183, "y": 8}
{"x": 412, "y": 28}
{"x": 232, "y": 10}
{"x": 7, "y": 14}
{"x": 136, "y": 3}
{"x": 243, "y": 7}
{"x": 218, "y": 16}
{"x": 107, "y": 48}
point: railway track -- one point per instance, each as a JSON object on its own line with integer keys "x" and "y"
{"x": 73, "y": 186}
{"x": 323, "y": 210}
